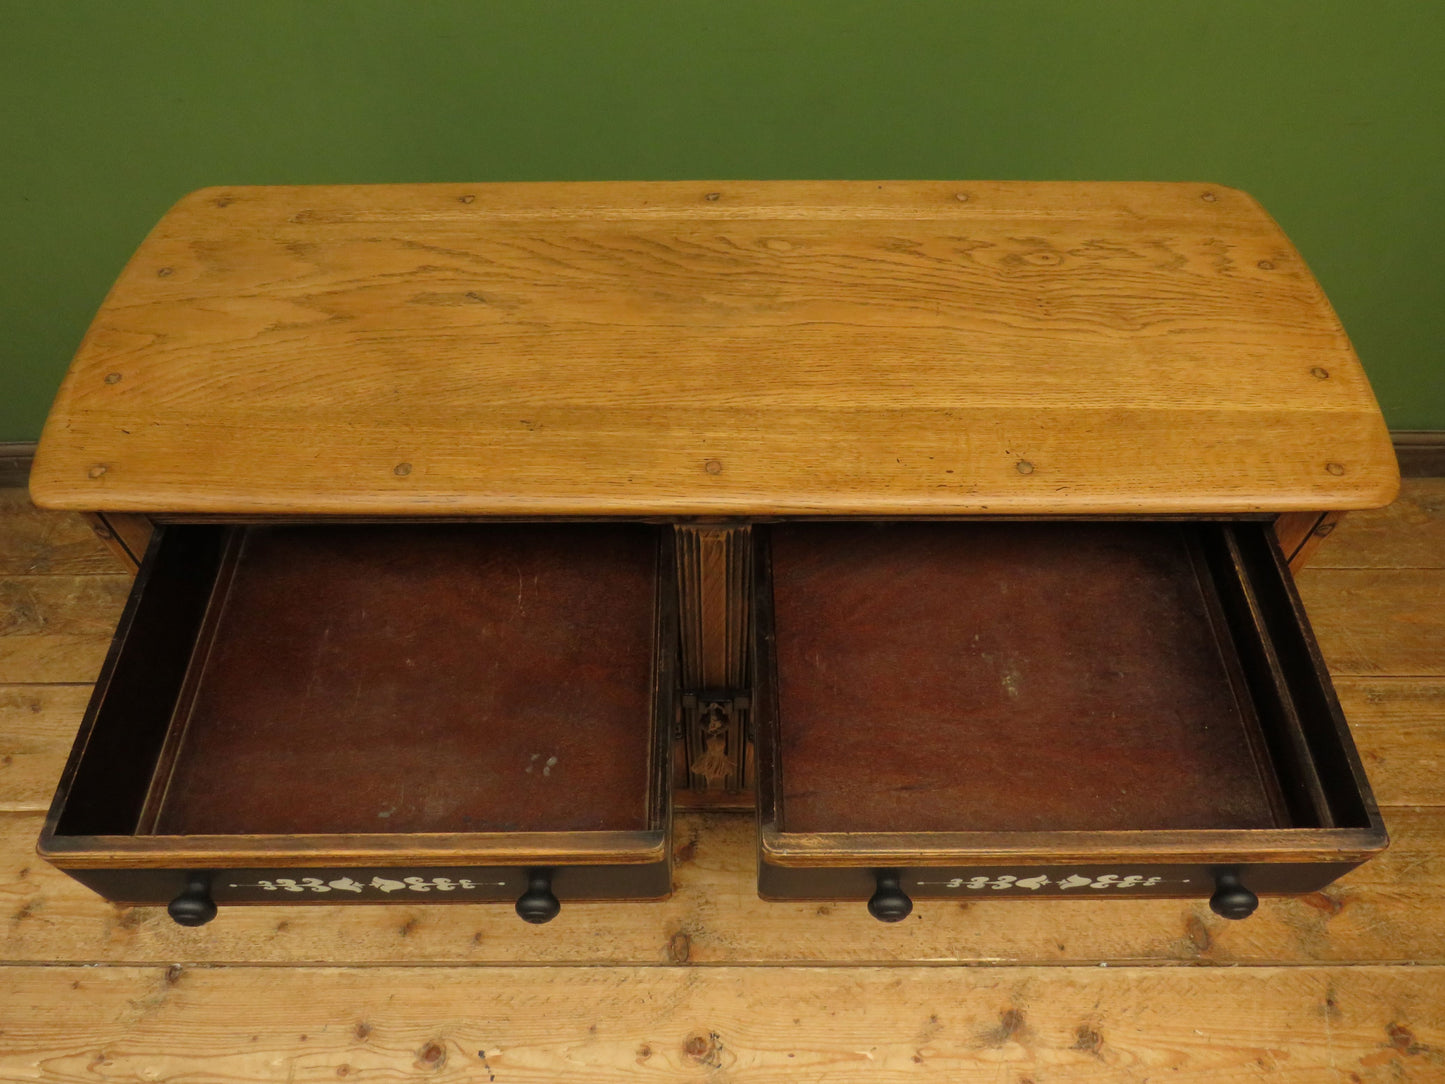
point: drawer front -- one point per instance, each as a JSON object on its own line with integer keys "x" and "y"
{"x": 322, "y": 883}
{"x": 1106, "y": 881}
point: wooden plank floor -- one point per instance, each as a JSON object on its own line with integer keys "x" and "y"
{"x": 714, "y": 985}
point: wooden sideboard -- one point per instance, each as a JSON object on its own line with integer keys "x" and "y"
{"x": 949, "y": 525}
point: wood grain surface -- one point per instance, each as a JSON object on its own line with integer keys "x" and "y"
{"x": 35, "y": 543}
{"x": 716, "y": 348}
{"x": 1378, "y": 621}
{"x": 1399, "y": 727}
{"x": 544, "y": 1024}
{"x": 1293, "y": 530}
{"x": 126, "y": 535}
{"x": 716, "y": 985}
{"x": 1390, "y": 910}
{"x": 57, "y": 628}
{"x": 37, "y": 725}
{"x": 1409, "y": 533}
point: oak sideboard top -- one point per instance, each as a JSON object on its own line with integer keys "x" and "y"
{"x": 715, "y": 349}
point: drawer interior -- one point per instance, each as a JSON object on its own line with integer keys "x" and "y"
{"x": 370, "y": 680}
{"x": 1112, "y": 678}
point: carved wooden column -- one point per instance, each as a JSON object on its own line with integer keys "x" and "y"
{"x": 714, "y": 581}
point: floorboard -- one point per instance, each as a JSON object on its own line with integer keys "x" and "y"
{"x": 1390, "y": 910}
{"x": 56, "y": 628}
{"x": 1377, "y": 622}
{"x": 1408, "y": 534}
{"x": 1399, "y": 727}
{"x": 37, "y": 727}
{"x": 545, "y": 1024}
{"x": 714, "y": 984}
{"x": 36, "y": 543}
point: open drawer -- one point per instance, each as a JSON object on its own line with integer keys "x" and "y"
{"x": 331, "y": 713}
{"x": 976, "y": 709}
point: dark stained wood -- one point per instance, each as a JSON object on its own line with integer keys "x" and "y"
{"x": 870, "y": 638}
{"x": 1398, "y": 724}
{"x": 103, "y": 786}
{"x": 989, "y": 677}
{"x": 331, "y": 702}
{"x": 436, "y": 679}
{"x": 714, "y": 575}
{"x": 1391, "y": 909}
{"x": 714, "y": 583}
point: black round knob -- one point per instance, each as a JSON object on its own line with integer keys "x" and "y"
{"x": 537, "y": 904}
{"x": 194, "y": 906}
{"x": 1231, "y": 899}
{"x": 889, "y": 902}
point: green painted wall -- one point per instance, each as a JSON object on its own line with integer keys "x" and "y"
{"x": 1330, "y": 112}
